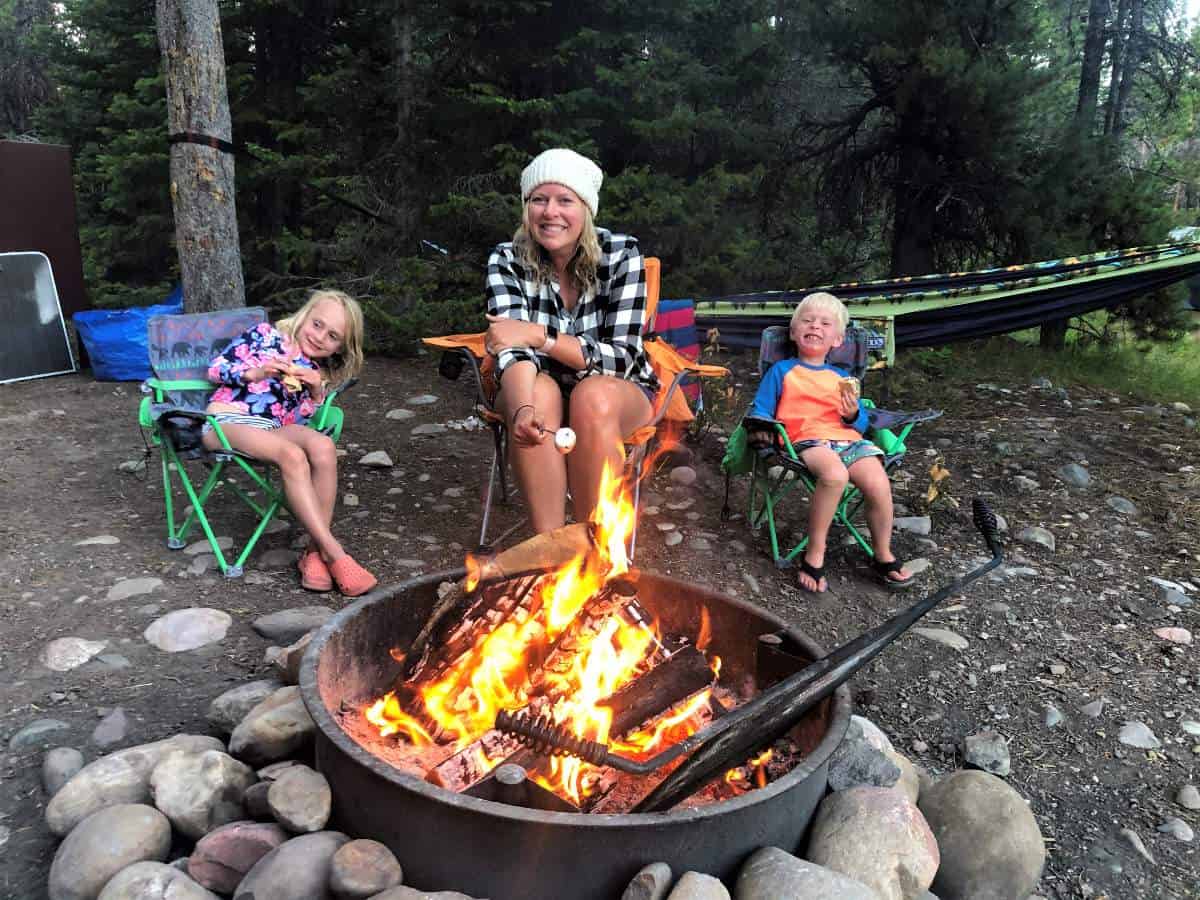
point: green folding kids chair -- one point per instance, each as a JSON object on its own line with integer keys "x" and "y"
{"x": 777, "y": 470}
{"x": 181, "y": 349}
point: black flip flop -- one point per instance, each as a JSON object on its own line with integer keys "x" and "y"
{"x": 883, "y": 570}
{"x": 814, "y": 572}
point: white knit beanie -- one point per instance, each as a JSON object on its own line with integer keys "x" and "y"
{"x": 565, "y": 167}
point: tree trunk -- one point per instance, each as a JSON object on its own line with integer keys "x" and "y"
{"x": 23, "y": 82}
{"x": 1093, "y": 59}
{"x": 1133, "y": 58}
{"x": 915, "y": 210}
{"x": 405, "y": 199}
{"x": 1119, "y": 56}
{"x": 202, "y": 186}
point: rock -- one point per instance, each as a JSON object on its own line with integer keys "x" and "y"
{"x": 673, "y": 538}
{"x": 295, "y": 870}
{"x": 1035, "y": 535}
{"x": 1175, "y": 635}
{"x": 700, "y": 544}
{"x": 187, "y": 629}
{"x": 399, "y": 415}
{"x": 1092, "y": 710}
{"x": 683, "y": 475}
{"x": 229, "y": 708}
{"x": 363, "y": 868}
{"x": 200, "y": 791}
{"x": 1135, "y": 841}
{"x": 407, "y": 893}
{"x": 1188, "y": 797}
{"x": 909, "y": 783}
{"x": 651, "y": 883}
{"x": 300, "y": 800}
{"x": 772, "y": 874}
{"x": 203, "y": 546}
{"x": 58, "y": 767}
{"x": 376, "y": 459}
{"x": 289, "y": 625}
{"x": 921, "y": 525}
{"x": 1178, "y": 829}
{"x": 918, "y": 565}
{"x": 255, "y": 800}
{"x": 40, "y": 733}
{"x": 1121, "y": 505}
{"x": 287, "y": 661}
{"x": 100, "y": 540}
{"x": 102, "y": 845}
{"x": 904, "y": 855}
{"x": 349, "y": 499}
{"x": 944, "y": 636}
{"x": 698, "y": 886}
{"x": 131, "y": 587}
{"x": 428, "y": 429}
{"x": 856, "y": 763}
{"x": 990, "y": 843}
{"x": 64, "y": 654}
{"x": 988, "y": 751}
{"x": 276, "y": 559}
{"x": 153, "y": 881}
{"x": 1075, "y": 475}
{"x": 275, "y": 729}
{"x": 422, "y": 400}
{"x": 1051, "y": 716}
{"x": 222, "y": 857}
{"x": 121, "y": 777}
{"x": 1026, "y": 485}
{"x": 1139, "y": 735}
{"x": 111, "y": 730}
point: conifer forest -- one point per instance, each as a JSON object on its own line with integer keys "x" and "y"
{"x": 750, "y": 144}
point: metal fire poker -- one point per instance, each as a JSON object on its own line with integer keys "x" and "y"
{"x": 743, "y": 731}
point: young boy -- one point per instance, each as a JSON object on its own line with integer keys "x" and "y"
{"x": 825, "y": 421}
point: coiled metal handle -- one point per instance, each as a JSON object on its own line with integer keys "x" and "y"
{"x": 542, "y": 735}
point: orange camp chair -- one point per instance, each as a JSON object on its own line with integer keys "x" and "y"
{"x": 671, "y": 409}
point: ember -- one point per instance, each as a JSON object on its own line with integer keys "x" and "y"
{"x": 571, "y": 648}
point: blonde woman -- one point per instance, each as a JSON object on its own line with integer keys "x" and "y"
{"x": 273, "y": 378}
{"x": 566, "y": 305}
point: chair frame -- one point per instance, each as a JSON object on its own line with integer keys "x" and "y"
{"x": 156, "y": 415}
{"x": 766, "y": 492}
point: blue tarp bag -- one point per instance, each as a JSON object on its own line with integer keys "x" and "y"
{"x": 115, "y": 339}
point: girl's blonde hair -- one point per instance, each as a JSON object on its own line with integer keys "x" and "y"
{"x": 825, "y": 302}
{"x": 583, "y": 265}
{"x": 348, "y": 361}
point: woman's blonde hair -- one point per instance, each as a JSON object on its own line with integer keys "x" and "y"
{"x": 583, "y": 265}
{"x": 823, "y": 300}
{"x": 348, "y": 361}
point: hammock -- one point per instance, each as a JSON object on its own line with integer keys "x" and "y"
{"x": 930, "y": 310}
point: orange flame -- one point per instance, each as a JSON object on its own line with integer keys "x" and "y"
{"x": 463, "y": 701}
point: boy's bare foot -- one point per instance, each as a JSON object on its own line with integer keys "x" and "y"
{"x": 812, "y": 578}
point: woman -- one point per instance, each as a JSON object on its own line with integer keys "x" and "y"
{"x": 566, "y": 308}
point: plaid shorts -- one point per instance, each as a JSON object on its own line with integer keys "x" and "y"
{"x": 849, "y": 451}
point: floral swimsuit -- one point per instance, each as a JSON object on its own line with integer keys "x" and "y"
{"x": 268, "y": 398}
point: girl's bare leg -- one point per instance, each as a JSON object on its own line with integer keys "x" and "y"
{"x": 604, "y": 410}
{"x": 540, "y": 470}
{"x": 311, "y": 510}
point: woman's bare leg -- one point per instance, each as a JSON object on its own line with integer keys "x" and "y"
{"x": 604, "y": 410}
{"x": 539, "y": 468}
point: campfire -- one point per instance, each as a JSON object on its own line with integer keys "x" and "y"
{"x": 545, "y": 651}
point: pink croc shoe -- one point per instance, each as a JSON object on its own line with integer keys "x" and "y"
{"x": 352, "y": 579}
{"x": 314, "y": 574}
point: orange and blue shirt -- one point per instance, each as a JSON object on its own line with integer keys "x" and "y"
{"x": 804, "y": 398}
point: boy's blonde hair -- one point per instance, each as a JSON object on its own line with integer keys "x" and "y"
{"x": 825, "y": 302}
{"x": 348, "y": 361}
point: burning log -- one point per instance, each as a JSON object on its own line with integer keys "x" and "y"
{"x": 675, "y": 679}
{"x": 542, "y": 553}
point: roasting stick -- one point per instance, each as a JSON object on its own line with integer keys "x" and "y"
{"x": 741, "y": 732}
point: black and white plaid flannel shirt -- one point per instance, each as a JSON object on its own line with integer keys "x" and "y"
{"x": 607, "y": 323}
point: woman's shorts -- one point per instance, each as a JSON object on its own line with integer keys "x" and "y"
{"x": 850, "y": 452}
{"x": 241, "y": 419}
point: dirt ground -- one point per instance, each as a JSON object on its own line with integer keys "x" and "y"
{"x": 1065, "y": 627}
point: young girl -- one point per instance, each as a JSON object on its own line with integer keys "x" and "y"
{"x": 273, "y": 379}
